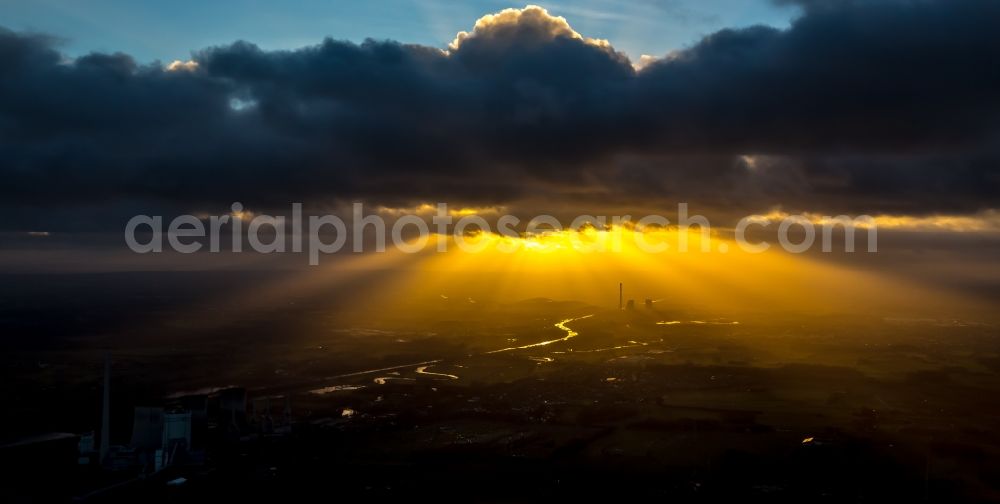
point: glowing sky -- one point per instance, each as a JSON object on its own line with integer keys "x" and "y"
{"x": 767, "y": 108}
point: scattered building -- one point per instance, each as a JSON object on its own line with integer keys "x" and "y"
{"x": 86, "y": 449}
{"x": 147, "y": 429}
{"x": 177, "y": 429}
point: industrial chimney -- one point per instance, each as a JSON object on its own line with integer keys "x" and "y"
{"x": 106, "y": 413}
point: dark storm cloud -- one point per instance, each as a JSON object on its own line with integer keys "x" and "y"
{"x": 885, "y": 76}
{"x": 859, "y": 106}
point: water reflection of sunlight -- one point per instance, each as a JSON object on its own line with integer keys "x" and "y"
{"x": 561, "y": 325}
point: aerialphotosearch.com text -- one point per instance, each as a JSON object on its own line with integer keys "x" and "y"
{"x": 320, "y": 235}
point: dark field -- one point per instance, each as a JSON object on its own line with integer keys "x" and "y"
{"x": 449, "y": 398}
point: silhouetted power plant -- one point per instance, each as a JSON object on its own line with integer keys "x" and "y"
{"x": 630, "y": 304}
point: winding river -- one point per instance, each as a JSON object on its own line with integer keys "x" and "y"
{"x": 423, "y": 370}
{"x": 561, "y": 325}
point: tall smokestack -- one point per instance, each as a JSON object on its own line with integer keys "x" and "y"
{"x": 620, "y": 298}
{"x": 106, "y": 413}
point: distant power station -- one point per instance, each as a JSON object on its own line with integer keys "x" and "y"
{"x": 630, "y": 304}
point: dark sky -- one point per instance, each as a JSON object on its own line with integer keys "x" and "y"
{"x": 858, "y": 107}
